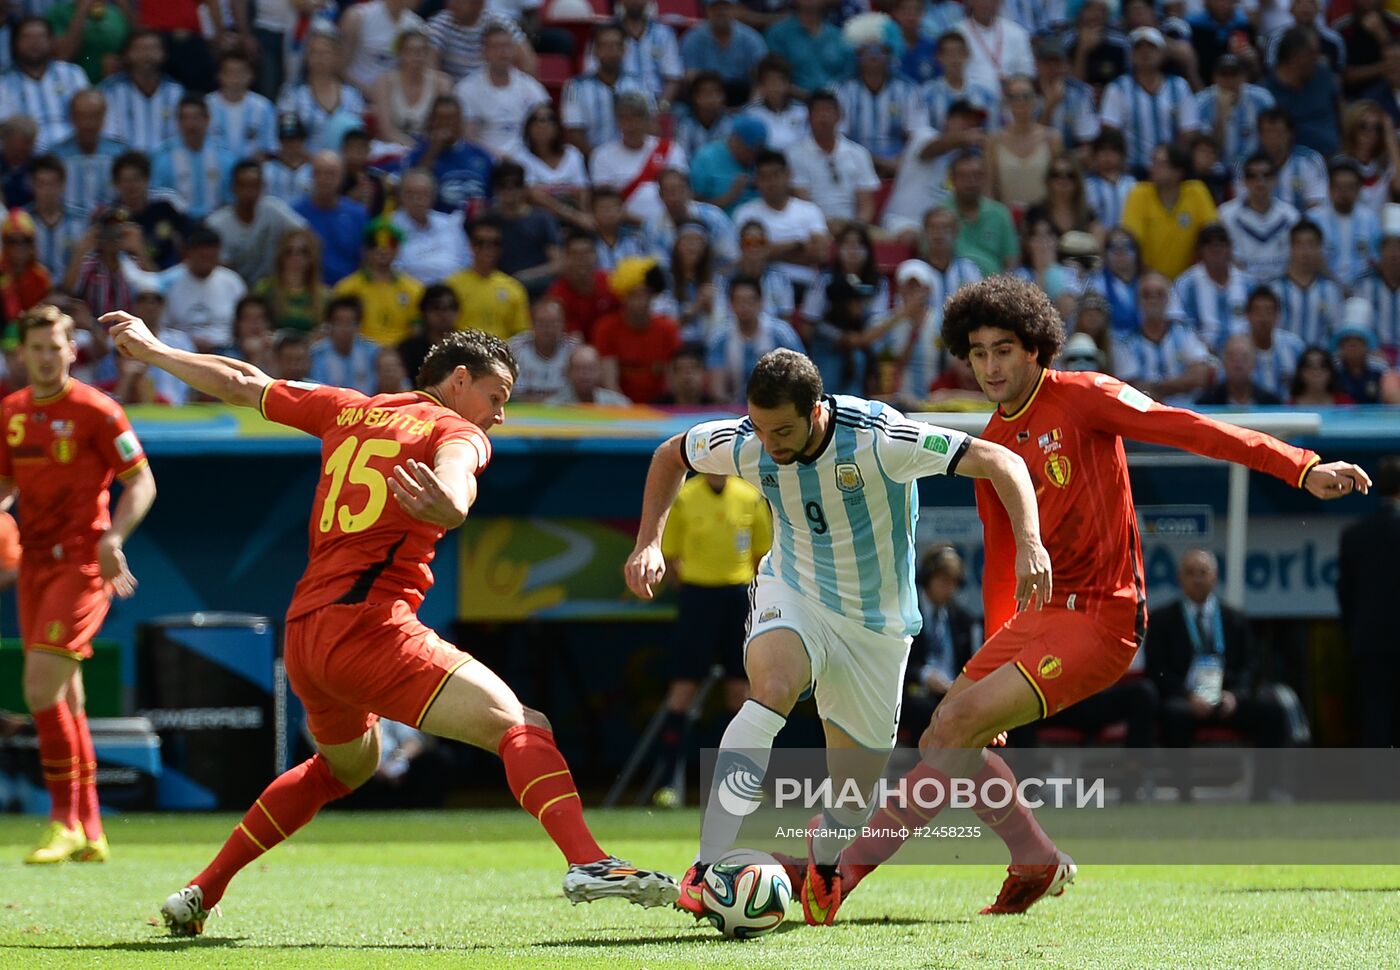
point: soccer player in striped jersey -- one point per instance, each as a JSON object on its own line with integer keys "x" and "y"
{"x": 1276, "y": 352}
{"x": 1149, "y": 107}
{"x": 1230, "y": 108}
{"x": 1351, "y": 233}
{"x": 1311, "y": 300}
{"x": 1069, "y": 429}
{"x": 1212, "y": 293}
{"x": 1258, "y": 221}
{"x": 39, "y": 85}
{"x": 244, "y": 121}
{"x": 1106, "y": 188}
{"x": 400, "y": 470}
{"x": 88, "y": 156}
{"x": 879, "y": 110}
{"x": 142, "y": 100}
{"x": 193, "y": 164}
{"x": 834, "y": 605}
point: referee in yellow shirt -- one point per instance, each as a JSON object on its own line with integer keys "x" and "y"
{"x": 718, "y": 530}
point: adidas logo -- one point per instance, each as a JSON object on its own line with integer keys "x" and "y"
{"x": 769, "y": 481}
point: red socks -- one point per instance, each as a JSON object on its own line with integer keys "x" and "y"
{"x": 89, "y": 813}
{"x": 59, "y": 757}
{"x": 285, "y": 806}
{"x": 540, "y": 781}
{"x": 1029, "y": 844}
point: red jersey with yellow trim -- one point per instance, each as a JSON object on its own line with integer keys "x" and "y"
{"x": 1070, "y": 433}
{"x": 364, "y": 547}
{"x": 62, "y": 453}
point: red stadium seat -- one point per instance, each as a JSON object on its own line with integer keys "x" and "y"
{"x": 553, "y": 70}
{"x": 672, "y": 11}
{"x": 603, "y": 8}
{"x": 889, "y": 254}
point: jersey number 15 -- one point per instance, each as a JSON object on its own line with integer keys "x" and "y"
{"x": 351, "y": 461}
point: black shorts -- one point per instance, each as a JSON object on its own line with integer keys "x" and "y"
{"x": 709, "y": 630}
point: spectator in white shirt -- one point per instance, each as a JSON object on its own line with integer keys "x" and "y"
{"x": 542, "y": 353}
{"x": 496, "y": 99}
{"x": 201, "y": 295}
{"x": 633, "y": 161}
{"x": 998, "y": 47}
{"x": 832, "y": 170}
{"x": 1258, "y": 221}
{"x": 434, "y": 246}
{"x": 796, "y": 228}
{"x": 252, "y": 228}
{"x": 585, "y": 374}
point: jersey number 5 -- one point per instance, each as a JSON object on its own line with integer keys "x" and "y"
{"x": 351, "y": 461}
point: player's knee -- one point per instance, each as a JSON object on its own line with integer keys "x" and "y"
{"x": 40, "y": 691}
{"x": 955, "y": 724}
{"x": 776, "y": 690}
{"x": 352, "y": 771}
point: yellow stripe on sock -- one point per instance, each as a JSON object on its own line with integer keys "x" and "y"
{"x": 280, "y": 832}
{"x": 58, "y": 762}
{"x": 63, "y": 777}
{"x": 898, "y": 821}
{"x": 557, "y": 798}
{"x": 526, "y": 790}
{"x": 994, "y": 824}
{"x": 251, "y": 838}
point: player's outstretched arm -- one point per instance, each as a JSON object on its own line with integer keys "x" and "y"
{"x": 645, "y": 567}
{"x": 1007, "y": 473}
{"x": 228, "y": 380}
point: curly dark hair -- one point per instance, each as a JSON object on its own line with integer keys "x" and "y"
{"x": 785, "y": 377}
{"x": 479, "y": 352}
{"x": 1007, "y": 302}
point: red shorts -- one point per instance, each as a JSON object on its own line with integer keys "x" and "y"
{"x": 1066, "y": 656}
{"x": 62, "y": 604}
{"x": 351, "y": 664}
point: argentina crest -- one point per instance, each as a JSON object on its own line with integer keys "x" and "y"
{"x": 848, "y": 477}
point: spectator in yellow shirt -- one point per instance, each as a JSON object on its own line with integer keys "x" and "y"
{"x": 717, "y": 531}
{"x": 389, "y": 299}
{"x": 491, "y": 300}
{"x": 1165, "y": 214}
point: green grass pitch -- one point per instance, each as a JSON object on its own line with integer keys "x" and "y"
{"x": 481, "y": 890}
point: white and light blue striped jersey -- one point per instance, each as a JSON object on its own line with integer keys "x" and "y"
{"x": 1037, "y": 16}
{"x": 921, "y": 351}
{"x": 1147, "y": 119}
{"x": 1302, "y": 179}
{"x": 1076, "y": 117}
{"x": 961, "y": 272}
{"x": 655, "y": 58}
{"x": 1138, "y": 360}
{"x": 937, "y": 97}
{"x": 880, "y": 121}
{"x": 144, "y": 123}
{"x": 1259, "y": 240}
{"x": 729, "y": 351}
{"x": 628, "y": 244}
{"x": 1350, "y": 243}
{"x": 201, "y": 178}
{"x": 1311, "y": 310}
{"x": 1213, "y": 311}
{"x": 1385, "y": 302}
{"x": 587, "y": 103}
{"x": 54, "y": 244}
{"x": 1274, "y": 368}
{"x": 45, "y": 99}
{"x": 247, "y": 128}
{"x": 89, "y": 182}
{"x": 692, "y": 135}
{"x": 281, "y": 181}
{"x": 301, "y": 101}
{"x": 1106, "y": 199}
{"x": 1241, "y": 128}
{"x": 843, "y": 520}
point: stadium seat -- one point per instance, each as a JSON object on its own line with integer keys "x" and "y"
{"x": 553, "y": 70}
{"x": 678, "y": 11}
{"x": 889, "y": 254}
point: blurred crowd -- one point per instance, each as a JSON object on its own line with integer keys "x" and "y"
{"x": 645, "y": 199}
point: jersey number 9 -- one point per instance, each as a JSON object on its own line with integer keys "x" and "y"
{"x": 351, "y": 460}
{"x": 817, "y": 517}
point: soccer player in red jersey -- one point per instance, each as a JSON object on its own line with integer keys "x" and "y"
{"x": 1069, "y": 430}
{"x": 398, "y": 470}
{"x": 63, "y": 443}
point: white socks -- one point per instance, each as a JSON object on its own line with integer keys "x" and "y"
{"x": 742, "y": 762}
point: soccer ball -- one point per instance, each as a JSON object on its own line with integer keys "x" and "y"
{"x": 746, "y": 894}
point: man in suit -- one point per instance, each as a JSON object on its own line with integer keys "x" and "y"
{"x": 1201, "y": 655}
{"x": 1368, "y": 577}
{"x": 947, "y": 641}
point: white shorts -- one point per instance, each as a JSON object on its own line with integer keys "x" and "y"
{"x": 857, "y": 673}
